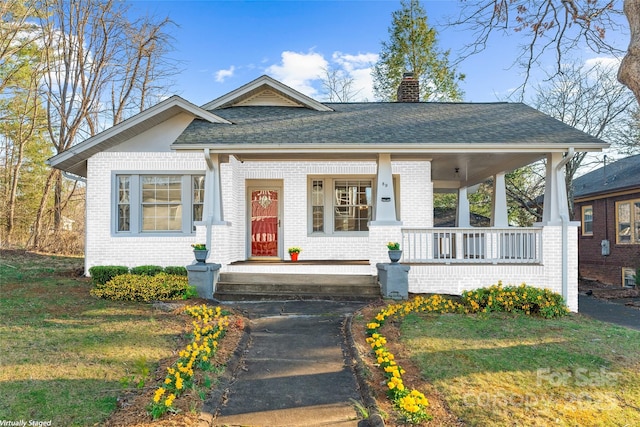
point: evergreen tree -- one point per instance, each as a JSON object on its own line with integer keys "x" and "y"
{"x": 412, "y": 47}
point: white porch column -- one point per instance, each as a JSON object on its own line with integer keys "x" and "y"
{"x": 385, "y": 203}
{"x": 499, "y": 213}
{"x": 212, "y": 207}
{"x": 555, "y": 192}
{"x": 462, "y": 211}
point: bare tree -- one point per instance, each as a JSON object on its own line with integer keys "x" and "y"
{"x": 589, "y": 99}
{"x": 556, "y": 27}
{"x": 338, "y": 85}
{"x": 98, "y": 63}
{"x": 629, "y": 72}
{"x": 143, "y": 68}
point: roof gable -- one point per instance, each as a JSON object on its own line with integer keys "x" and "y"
{"x": 74, "y": 160}
{"x": 267, "y": 98}
{"x": 265, "y": 91}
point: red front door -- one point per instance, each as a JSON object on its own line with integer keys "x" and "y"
{"x": 264, "y": 223}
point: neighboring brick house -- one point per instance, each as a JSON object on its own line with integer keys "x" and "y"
{"x": 607, "y": 202}
{"x": 264, "y": 168}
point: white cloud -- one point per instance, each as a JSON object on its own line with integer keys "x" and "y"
{"x": 221, "y": 75}
{"x": 299, "y": 71}
{"x": 305, "y": 71}
{"x": 604, "y": 61}
{"x": 359, "y": 68}
{"x": 355, "y": 62}
{"x": 602, "y": 67}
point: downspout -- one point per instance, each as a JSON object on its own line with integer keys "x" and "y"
{"x": 564, "y": 219}
{"x": 78, "y": 178}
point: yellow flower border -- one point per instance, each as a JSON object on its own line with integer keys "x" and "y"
{"x": 209, "y": 327}
{"x": 412, "y": 404}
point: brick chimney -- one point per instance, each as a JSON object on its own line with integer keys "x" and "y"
{"x": 409, "y": 89}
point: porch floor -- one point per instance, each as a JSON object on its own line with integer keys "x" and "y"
{"x": 299, "y": 262}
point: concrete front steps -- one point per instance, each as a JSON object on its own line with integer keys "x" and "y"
{"x": 235, "y": 286}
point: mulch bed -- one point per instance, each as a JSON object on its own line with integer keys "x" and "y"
{"x": 438, "y": 408}
{"x": 132, "y": 406}
{"x": 603, "y": 291}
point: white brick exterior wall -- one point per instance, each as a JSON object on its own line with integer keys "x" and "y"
{"x": 230, "y": 241}
{"x": 416, "y": 193}
{"x": 103, "y": 248}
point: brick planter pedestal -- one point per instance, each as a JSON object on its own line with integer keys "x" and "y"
{"x": 394, "y": 280}
{"x": 204, "y": 277}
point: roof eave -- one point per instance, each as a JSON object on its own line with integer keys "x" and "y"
{"x": 69, "y": 160}
{"x": 387, "y": 147}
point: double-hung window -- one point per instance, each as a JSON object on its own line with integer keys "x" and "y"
{"x": 628, "y": 277}
{"x": 157, "y": 203}
{"x": 340, "y": 205}
{"x": 587, "y": 220}
{"x": 628, "y": 222}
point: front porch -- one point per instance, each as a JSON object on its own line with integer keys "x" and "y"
{"x": 399, "y": 208}
{"x": 441, "y": 260}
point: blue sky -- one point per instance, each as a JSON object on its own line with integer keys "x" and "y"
{"x": 222, "y": 45}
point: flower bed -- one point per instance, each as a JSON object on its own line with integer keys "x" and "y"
{"x": 208, "y": 328}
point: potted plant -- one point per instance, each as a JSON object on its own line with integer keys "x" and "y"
{"x": 294, "y": 251}
{"x": 394, "y": 252}
{"x": 200, "y": 252}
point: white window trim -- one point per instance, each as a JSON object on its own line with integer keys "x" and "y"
{"x": 329, "y": 208}
{"x": 135, "y": 203}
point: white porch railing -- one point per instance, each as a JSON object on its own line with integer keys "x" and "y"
{"x": 472, "y": 245}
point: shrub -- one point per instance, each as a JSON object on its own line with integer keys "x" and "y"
{"x": 177, "y": 270}
{"x": 101, "y": 274}
{"x": 132, "y": 287}
{"x": 146, "y": 270}
{"x": 518, "y": 299}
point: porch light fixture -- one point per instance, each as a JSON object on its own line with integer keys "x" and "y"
{"x": 456, "y": 174}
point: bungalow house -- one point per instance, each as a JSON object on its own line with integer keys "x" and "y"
{"x": 607, "y": 202}
{"x": 264, "y": 168}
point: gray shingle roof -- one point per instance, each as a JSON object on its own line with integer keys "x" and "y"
{"x": 622, "y": 174}
{"x": 406, "y": 123}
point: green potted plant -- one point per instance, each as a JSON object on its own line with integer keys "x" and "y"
{"x": 394, "y": 252}
{"x": 294, "y": 251}
{"x": 200, "y": 252}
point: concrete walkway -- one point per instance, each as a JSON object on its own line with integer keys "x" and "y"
{"x": 611, "y": 312}
{"x": 295, "y": 369}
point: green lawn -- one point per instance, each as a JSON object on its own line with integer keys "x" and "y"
{"x": 506, "y": 370}
{"x": 66, "y": 356}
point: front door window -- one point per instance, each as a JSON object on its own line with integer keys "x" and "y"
{"x": 264, "y": 223}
